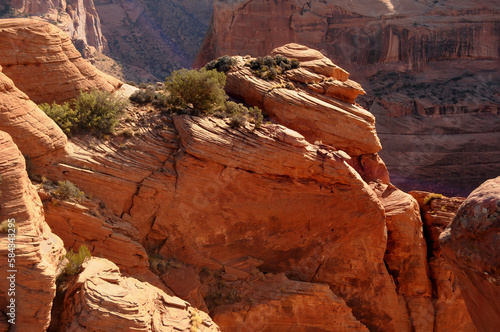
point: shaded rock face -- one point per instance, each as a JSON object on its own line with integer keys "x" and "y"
{"x": 152, "y": 38}
{"x": 102, "y": 299}
{"x": 425, "y": 63}
{"x": 450, "y": 311}
{"x": 78, "y": 18}
{"x": 470, "y": 245}
{"x": 37, "y": 249}
{"x": 44, "y": 64}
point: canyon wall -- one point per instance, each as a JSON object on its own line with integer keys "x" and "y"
{"x": 430, "y": 70}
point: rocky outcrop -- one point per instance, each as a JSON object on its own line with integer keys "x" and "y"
{"x": 423, "y": 62}
{"x": 44, "y": 64}
{"x": 30, "y": 255}
{"x": 276, "y": 303}
{"x": 450, "y": 311}
{"x": 471, "y": 247}
{"x": 79, "y": 19}
{"x": 101, "y": 299}
{"x": 30, "y": 128}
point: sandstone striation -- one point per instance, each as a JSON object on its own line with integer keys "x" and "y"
{"x": 423, "y": 62}
{"x": 79, "y": 19}
{"x": 101, "y": 299}
{"x": 44, "y": 64}
{"x": 37, "y": 249}
{"x": 276, "y": 303}
{"x": 31, "y": 129}
{"x": 471, "y": 248}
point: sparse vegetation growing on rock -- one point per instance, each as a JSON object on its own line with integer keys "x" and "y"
{"x": 75, "y": 260}
{"x": 96, "y": 112}
{"x": 196, "y": 91}
{"x": 66, "y": 190}
{"x": 432, "y": 196}
{"x": 222, "y": 64}
{"x": 270, "y": 67}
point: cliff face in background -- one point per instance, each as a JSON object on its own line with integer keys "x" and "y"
{"x": 152, "y": 38}
{"x": 430, "y": 70}
{"x": 78, "y": 18}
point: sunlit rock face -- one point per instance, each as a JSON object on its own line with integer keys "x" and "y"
{"x": 430, "y": 70}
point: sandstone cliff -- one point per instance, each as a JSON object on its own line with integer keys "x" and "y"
{"x": 44, "y": 64}
{"x": 426, "y": 63}
{"x": 37, "y": 250}
{"x": 250, "y": 224}
{"x": 79, "y": 19}
{"x": 470, "y": 245}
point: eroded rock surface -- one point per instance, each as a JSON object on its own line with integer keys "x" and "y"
{"x": 37, "y": 250}
{"x": 101, "y": 299}
{"x": 44, "y": 64}
{"x": 470, "y": 245}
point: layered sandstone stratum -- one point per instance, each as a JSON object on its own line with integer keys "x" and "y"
{"x": 430, "y": 69}
{"x": 277, "y": 227}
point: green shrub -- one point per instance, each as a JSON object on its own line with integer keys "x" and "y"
{"x": 143, "y": 96}
{"x": 432, "y": 196}
{"x": 95, "y": 112}
{"x": 222, "y": 64}
{"x": 237, "y": 121}
{"x": 75, "y": 260}
{"x": 270, "y": 67}
{"x": 256, "y": 113}
{"x": 198, "y": 91}
{"x": 67, "y": 190}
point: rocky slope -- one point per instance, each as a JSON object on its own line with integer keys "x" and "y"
{"x": 152, "y": 38}
{"x": 249, "y": 224}
{"x": 79, "y": 19}
{"x": 43, "y": 63}
{"x": 470, "y": 245}
{"x": 422, "y": 64}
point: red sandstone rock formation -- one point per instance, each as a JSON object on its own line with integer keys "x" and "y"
{"x": 470, "y": 245}
{"x": 101, "y": 299}
{"x": 31, "y": 129}
{"x": 37, "y": 249}
{"x": 79, "y": 19}
{"x": 450, "y": 311}
{"x": 44, "y": 64}
{"x": 431, "y": 64}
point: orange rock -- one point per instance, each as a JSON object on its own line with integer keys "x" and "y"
{"x": 102, "y": 298}
{"x": 31, "y": 129}
{"x": 274, "y": 303}
{"x": 37, "y": 249}
{"x": 470, "y": 245}
{"x": 43, "y": 63}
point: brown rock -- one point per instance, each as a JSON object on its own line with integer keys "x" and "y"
{"x": 275, "y": 303}
{"x": 101, "y": 299}
{"x": 31, "y": 129}
{"x": 451, "y": 312}
{"x": 37, "y": 250}
{"x": 43, "y": 63}
{"x": 471, "y": 247}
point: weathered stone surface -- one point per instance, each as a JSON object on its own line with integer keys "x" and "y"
{"x": 37, "y": 249}
{"x": 432, "y": 64}
{"x": 275, "y": 303}
{"x": 77, "y": 18}
{"x": 31, "y": 129}
{"x": 406, "y": 254}
{"x": 44, "y": 64}
{"x": 101, "y": 299}
{"x": 470, "y": 245}
{"x": 450, "y": 311}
